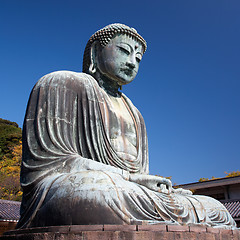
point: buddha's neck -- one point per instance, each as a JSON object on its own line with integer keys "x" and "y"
{"x": 109, "y": 85}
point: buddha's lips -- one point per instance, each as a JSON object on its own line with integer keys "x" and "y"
{"x": 128, "y": 71}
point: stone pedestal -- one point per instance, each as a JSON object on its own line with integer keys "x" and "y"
{"x": 122, "y": 232}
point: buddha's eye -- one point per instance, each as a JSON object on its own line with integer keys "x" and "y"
{"x": 124, "y": 50}
{"x": 138, "y": 59}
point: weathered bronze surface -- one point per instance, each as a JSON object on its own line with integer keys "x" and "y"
{"x": 85, "y": 153}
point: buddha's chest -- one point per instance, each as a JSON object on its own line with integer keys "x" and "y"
{"x": 121, "y": 128}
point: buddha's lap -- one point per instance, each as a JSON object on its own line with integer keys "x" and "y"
{"x": 106, "y": 187}
{"x": 103, "y": 197}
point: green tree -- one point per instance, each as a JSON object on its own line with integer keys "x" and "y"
{"x": 10, "y": 135}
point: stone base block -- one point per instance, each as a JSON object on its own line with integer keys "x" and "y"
{"x": 122, "y": 232}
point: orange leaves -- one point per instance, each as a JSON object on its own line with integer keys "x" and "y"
{"x": 232, "y": 174}
{"x": 10, "y": 174}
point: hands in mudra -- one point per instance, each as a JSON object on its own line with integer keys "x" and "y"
{"x": 157, "y": 184}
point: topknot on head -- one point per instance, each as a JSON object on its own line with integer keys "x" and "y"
{"x": 105, "y": 34}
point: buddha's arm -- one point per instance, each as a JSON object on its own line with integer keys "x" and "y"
{"x": 155, "y": 183}
{"x": 89, "y": 164}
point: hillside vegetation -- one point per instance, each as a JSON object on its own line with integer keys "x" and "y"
{"x": 10, "y": 160}
{"x": 10, "y": 135}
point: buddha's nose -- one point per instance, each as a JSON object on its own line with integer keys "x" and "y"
{"x": 131, "y": 61}
{"x": 131, "y": 65}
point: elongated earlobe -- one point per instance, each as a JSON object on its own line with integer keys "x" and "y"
{"x": 93, "y": 66}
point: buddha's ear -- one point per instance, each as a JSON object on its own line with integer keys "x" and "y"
{"x": 93, "y": 55}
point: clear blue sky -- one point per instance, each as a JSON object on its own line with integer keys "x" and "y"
{"x": 188, "y": 85}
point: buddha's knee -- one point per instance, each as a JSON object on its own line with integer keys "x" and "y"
{"x": 79, "y": 198}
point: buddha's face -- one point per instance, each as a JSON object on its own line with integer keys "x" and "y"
{"x": 119, "y": 59}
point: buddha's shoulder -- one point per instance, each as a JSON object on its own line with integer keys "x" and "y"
{"x": 65, "y": 79}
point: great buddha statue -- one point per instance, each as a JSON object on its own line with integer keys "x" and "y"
{"x": 85, "y": 152}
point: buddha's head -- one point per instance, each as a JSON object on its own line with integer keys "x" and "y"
{"x": 114, "y": 53}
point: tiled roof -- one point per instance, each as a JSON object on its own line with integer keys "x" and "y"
{"x": 212, "y": 183}
{"x": 233, "y": 207}
{"x": 9, "y": 210}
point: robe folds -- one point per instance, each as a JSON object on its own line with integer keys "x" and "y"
{"x": 72, "y": 175}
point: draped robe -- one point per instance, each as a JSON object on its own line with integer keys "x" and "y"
{"x": 71, "y": 173}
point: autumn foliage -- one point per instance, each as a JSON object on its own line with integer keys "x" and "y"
{"x": 10, "y": 160}
{"x": 230, "y": 174}
{"x": 10, "y": 175}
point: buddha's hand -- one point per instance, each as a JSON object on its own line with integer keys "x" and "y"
{"x": 155, "y": 183}
{"x": 182, "y": 191}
